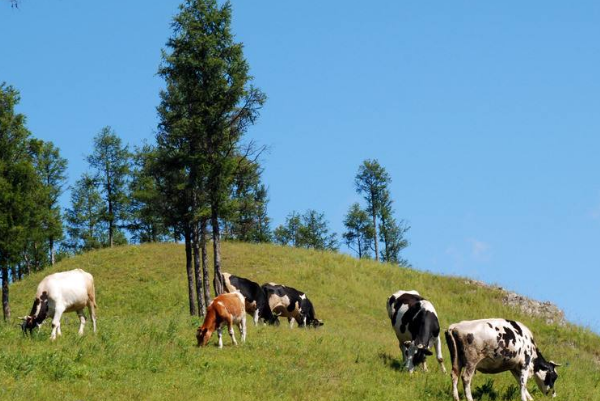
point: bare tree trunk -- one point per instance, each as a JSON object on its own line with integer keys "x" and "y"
{"x": 376, "y": 241}
{"x": 52, "y": 252}
{"x": 190, "y": 273}
{"x": 5, "y": 304}
{"x": 110, "y": 234}
{"x": 197, "y": 271}
{"x": 216, "y": 251}
{"x": 205, "y": 275}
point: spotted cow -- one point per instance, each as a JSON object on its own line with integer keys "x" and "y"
{"x": 495, "y": 346}
{"x": 291, "y": 303}
{"x": 255, "y": 298}
{"x": 417, "y": 328}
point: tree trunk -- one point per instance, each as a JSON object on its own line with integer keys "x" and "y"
{"x": 52, "y": 251}
{"x": 5, "y": 304}
{"x": 110, "y": 233}
{"x": 197, "y": 271}
{"x": 216, "y": 251}
{"x": 359, "y": 247}
{"x": 205, "y": 274}
{"x": 375, "y": 240}
{"x": 190, "y": 273}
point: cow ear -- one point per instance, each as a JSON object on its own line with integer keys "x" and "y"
{"x": 407, "y": 343}
{"x": 554, "y": 364}
{"x": 427, "y": 352}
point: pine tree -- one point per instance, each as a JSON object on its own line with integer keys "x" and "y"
{"x": 310, "y": 230}
{"x": 208, "y": 103}
{"x": 110, "y": 159}
{"x": 371, "y": 181}
{"x": 51, "y": 168}
{"x": 85, "y": 224}
{"x": 360, "y": 233}
{"x": 289, "y": 232}
{"x": 147, "y": 223}
{"x": 391, "y": 233}
{"x": 247, "y": 219}
{"x": 18, "y": 185}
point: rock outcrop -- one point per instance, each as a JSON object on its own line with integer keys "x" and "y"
{"x": 545, "y": 310}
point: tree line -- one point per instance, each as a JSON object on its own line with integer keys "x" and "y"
{"x": 199, "y": 183}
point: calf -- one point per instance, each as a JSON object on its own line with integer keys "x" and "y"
{"x": 291, "y": 303}
{"x": 69, "y": 291}
{"x": 224, "y": 309}
{"x": 255, "y": 299}
{"x": 494, "y": 346}
{"x": 416, "y": 324}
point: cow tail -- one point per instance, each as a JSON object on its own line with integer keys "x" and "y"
{"x": 92, "y": 295}
{"x": 452, "y": 348}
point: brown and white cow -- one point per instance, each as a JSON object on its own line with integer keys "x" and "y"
{"x": 291, "y": 303}
{"x": 495, "y": 346}
{"x": 57, "y": 293}
{"x": 417, "y": 328}
{"x": 226, "y": 309}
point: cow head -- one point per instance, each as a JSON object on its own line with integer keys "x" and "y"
{"x": 203, "y": 335}
{"x": 545, "y": 374}
{"x": 307, "y": 314}
{"x": 414, "y": 355}
{"x": 39, "y": 312}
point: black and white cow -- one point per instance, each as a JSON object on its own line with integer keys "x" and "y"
{"x": 255, "y": 298}
{"x": 416, "y": 324}
{"x": 495, "y": 346}
{"x": 291, "y": 303}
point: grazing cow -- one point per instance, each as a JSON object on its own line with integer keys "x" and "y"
{"x": 291, "y": 303}
{"x": 69, "y": 291}
{"x": 255, "y": 299}
{"x": 224, "y": 309}
{"x": 495, "y": 346}
{"x": 416, "y": 324}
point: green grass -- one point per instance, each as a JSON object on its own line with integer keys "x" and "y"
{"x": 145, "y": 348}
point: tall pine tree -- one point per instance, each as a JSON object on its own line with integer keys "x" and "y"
{"x": 18, "y": 187}
{"x": 111, "y": 161}
{"x": 371, "y": 181}
{"x": 210, "y": 102}
{"x": 51, "y": 167}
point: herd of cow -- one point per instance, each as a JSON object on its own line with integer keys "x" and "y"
{"x": 486, "y": 345}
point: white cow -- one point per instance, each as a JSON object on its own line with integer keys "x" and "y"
{"x": 69, "y": 291}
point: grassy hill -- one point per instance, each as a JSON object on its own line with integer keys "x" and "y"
{"x": 145, "y": 348}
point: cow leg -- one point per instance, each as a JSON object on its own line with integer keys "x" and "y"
{"x": 220, "y": 334}
{"x": 255, "y": 318}
{"x": 467, "y": 376}
{"x": 243, "y": 329}
{"x": 291, "y": 322}
{"x": 438, "y": 353}
{"x": 81, "y": 321}
{"x": 425, "y": 366}
{"x": 230, "y": 329}
{"x": 92, "y": 311}
{"x": 455, "y": 373}
{"x": 522, "y": 375}
{"x": 517, "y": 375}
{"x": 56, "y": 323}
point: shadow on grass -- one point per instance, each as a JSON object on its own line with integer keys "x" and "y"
{"x": 391, "y": 362}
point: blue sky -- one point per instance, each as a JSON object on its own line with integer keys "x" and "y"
{"x": 484, "y": 113}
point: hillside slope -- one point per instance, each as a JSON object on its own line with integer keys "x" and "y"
{"x": 145, "y": 348}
